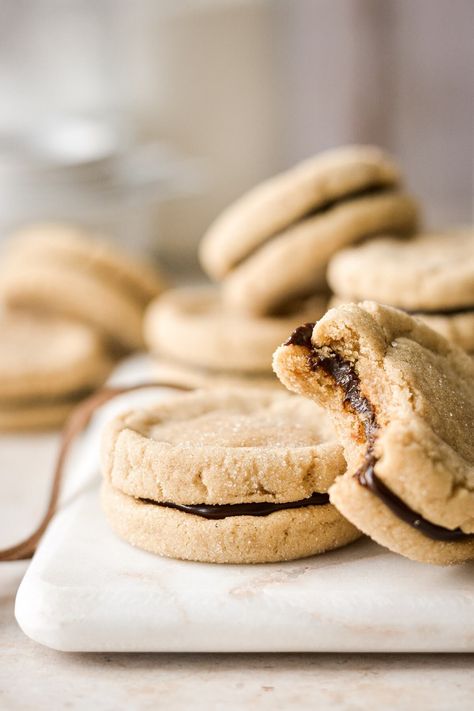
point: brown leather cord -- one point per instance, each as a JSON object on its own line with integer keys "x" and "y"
{"x": 75, "y": 424}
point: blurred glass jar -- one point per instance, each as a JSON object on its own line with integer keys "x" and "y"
{"x": 90, "y": 171}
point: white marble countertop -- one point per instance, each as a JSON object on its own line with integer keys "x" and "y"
{"x": 33, "y": 677}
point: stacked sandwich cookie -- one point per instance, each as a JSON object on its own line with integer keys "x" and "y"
{"x": 270, "y": 251}
{"x": 225, "y": 476}
{"x": 47, "y": 365}
{"x": 430, "y": 276}
{"x": 63, "y": 270}
{"x": 274, "y": 244}
{"x": 402, "y": 399}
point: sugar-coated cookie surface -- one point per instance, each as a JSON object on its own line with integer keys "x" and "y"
{"x": 191, "y": 325}
{"x": 455, "y": 326}
{"x": 223, "y": 446}
{"x": 402, "y": 398}
{"x": 431, "y": 271}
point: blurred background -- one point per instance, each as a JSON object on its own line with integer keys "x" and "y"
{"x": 146, "y": 118}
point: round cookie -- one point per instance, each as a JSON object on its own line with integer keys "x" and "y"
{"x": 47, "y": 365}
{"x": 282, "y": 200}
{"x": 225, "y": 476}
{"x": 402, "y": 398}
{"x": 294, "y": 261}
{"x": 61, "y": 270}
{"x": 433, "y": 273}
{"x": 283, "y": 535}
{"x": 192, "y": 326}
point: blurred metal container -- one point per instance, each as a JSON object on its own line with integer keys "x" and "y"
{"x": 91, "y": 171}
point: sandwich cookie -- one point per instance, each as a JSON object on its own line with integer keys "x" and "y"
{"x": 431, "y": 276}
{"x": 274, "y": 243}
{"x": 47, "y": 365}
{"x": 62, "y": 270}
{"x": 225, "y": 476}
{"x": 192, "y": 327}
{"x": 402, "y": 398}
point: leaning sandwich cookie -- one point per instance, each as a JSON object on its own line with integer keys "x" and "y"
{"x": 402, "y": 398}
{"x": 275, "y": 242}
{"x": 225, "y": 476}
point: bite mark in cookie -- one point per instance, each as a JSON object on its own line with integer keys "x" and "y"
{"x": 402, "y": 401}
{"x": 344, "y": 375}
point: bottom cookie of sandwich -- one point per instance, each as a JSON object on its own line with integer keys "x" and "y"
{"x": 282, "y": 534}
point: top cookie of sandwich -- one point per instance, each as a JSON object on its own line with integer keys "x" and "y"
{"x": 432, "y": 272}
{"x": 223, "y": 446}
{"x": 271, "y": 207}
{"x": 402, "y": 398}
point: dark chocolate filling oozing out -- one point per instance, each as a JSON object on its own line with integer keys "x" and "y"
{"x": 264, "y": 508}
{"x": 343, "y": 373}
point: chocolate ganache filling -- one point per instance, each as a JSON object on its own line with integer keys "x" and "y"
{"x": 343, "y": 373}
{"x": 264, "y": 508}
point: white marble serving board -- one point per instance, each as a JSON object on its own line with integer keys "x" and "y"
{"x": 86, "y": 590}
